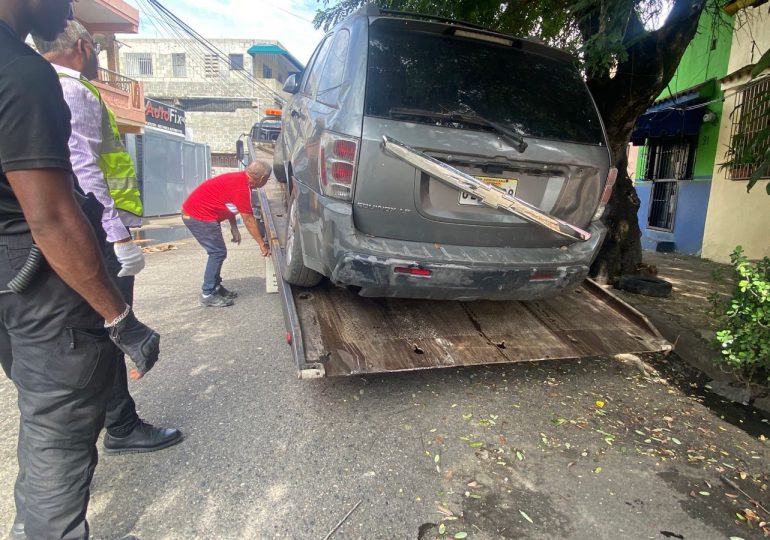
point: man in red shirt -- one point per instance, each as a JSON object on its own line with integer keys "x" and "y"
{"x": 206, "y": 208}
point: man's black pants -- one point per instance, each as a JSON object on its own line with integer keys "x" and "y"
{"x": 54, "y": 347}
{"x": 121, "y": 409}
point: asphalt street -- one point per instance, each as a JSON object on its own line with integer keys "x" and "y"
{"x": 589, "y": 449}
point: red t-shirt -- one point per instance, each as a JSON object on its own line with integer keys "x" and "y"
{"x": 208, "y": 201}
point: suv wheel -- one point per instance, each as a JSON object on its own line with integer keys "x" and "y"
{"x": 295, "y": 271}
{"x": 279, "y": 169}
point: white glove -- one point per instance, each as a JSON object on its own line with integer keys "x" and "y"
{"x": 131, "y": 258}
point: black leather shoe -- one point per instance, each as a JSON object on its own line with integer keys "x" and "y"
{"x": 143, "y": 438}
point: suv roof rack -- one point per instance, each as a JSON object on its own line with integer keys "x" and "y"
{"x": 437, "y": 18}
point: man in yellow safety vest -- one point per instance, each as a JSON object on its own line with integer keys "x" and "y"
{"x": 104, "y": 167}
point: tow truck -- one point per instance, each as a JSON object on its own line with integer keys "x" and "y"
{"x": 332, "y": 331}
{"x": 265, "y": 132}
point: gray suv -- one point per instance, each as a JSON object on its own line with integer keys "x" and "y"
{"x": 429, "y": 158}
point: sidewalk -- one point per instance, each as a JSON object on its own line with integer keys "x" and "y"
{"x": 685, "y": 317}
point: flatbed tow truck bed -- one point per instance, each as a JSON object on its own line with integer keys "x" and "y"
{"x": 334, "y": 332}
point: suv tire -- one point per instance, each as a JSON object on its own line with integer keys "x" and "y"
{"x": 645, "y": 285}
{"x": 295, "y": 272}
{"x": 279, "y": 169}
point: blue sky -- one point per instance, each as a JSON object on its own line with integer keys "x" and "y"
{"x": 287, "y": 21}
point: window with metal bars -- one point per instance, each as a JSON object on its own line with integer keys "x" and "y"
{"x": 668, "y": 159}
{"x": 664, "y": 162}
{"x": 750, "y": 133}
{"x": 138, "y": 64}
{"x": 179, "y": 65}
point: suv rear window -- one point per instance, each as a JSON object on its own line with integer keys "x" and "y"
{"x": 436, "y": 73}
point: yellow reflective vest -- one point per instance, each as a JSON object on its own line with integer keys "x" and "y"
{"x": 114, "y": 161}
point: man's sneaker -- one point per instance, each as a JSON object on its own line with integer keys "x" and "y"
{"x": 225, "y": 293}
{"x": 214, "y": 300}
{"x": 143, "y": 438}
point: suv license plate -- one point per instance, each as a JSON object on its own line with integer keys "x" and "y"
{"x": 507, "y": 184}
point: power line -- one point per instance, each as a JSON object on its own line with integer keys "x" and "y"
{"x": 173, "y": 19}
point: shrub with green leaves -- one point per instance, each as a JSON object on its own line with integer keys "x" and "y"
{"x": 743, "y": 321}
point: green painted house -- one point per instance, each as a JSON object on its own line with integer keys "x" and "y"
{"x": 678, "y": 136}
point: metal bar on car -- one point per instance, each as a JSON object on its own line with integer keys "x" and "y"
{"x": 489, "y": 195}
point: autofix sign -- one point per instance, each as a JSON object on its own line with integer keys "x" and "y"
{"x": 165, "y": 117}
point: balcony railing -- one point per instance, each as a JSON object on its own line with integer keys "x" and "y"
{"x": 123, "y": 95}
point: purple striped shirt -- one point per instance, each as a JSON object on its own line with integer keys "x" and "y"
{"x": 85, "y": 143}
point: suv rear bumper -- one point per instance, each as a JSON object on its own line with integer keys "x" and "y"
{"x": 331, "y": 245}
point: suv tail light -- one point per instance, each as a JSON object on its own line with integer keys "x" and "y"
{"x": 606, "y": 194}
{"x": 337, "y": 165}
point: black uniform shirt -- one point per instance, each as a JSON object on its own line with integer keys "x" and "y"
{"x": 34, "y": 122}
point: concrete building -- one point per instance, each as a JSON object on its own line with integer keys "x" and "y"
{"x": 223, "y": 90}
{"x": 735, "y": 216}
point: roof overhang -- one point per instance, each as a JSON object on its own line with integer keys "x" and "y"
{"x": 677, "y": 115}
{"x": 272, "y": 48}
{"x": 107, "y": 16}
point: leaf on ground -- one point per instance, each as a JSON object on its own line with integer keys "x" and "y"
{"x": 597, "y": 470}
{"x": 436, "y": 458}
{"x": 704, "y": 493}
{"x": 676, "y": 441}
{"x": 743, "y": 475}
{"x": 444, "y": 510}
{"x": 519, "y": 455}
{"x": 467, "y": 416}
{"x": 525, "y": 516}
{"x": 476, "y": 444}
{"x": 441, "y": 529}
{"x": 558, "y": 421}
{"x": 460, "y": 535}
{"x": 600, "y": 404}
{"x": 736, "y": 538}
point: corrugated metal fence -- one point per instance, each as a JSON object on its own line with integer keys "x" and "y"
{"x": 169, "y": 169}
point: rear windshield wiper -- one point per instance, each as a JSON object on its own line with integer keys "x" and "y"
{"x": 469, "y": 117}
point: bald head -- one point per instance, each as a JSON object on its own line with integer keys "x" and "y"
{"x": 259, "y": 173}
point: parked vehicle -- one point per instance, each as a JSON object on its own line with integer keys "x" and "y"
{"x": 266, "y": 131}
{"x": 429, "y": 158}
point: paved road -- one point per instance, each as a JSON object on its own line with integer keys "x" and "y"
{"x": 590, "y": 449}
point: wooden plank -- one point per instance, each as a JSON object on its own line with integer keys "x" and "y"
{"x": 349, "y": 334}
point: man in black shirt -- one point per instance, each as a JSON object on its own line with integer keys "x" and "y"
{"x": 56, "y": 330}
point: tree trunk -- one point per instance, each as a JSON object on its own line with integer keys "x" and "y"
{"x": 621, "y": 252}
{"x": 621, "y": 99}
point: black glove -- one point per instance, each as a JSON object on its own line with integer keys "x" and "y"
{"x": 138, "y": 341}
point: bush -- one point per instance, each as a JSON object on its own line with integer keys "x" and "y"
{"x": 743, "y": 321}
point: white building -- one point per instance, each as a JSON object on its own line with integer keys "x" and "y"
{"x": 224, "y": 89}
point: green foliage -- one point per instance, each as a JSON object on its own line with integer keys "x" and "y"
{"x": 743, "y": 321}
{"x": 598, "y": 32}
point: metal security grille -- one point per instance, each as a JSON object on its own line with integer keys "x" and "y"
{"x": 138, "y": 64}
{"x": 215, "y": 104}
{"x": 750, "y": 117}
{"x": 664, "y": 162}
{"x": 662, "y": 205}
{"x": 668, "y": 160}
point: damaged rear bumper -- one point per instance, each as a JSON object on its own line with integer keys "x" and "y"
{"x": 382, "y": 267}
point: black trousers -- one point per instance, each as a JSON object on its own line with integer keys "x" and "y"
{"x": 55, "y": 349}
{"x": 121, "y": 408}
